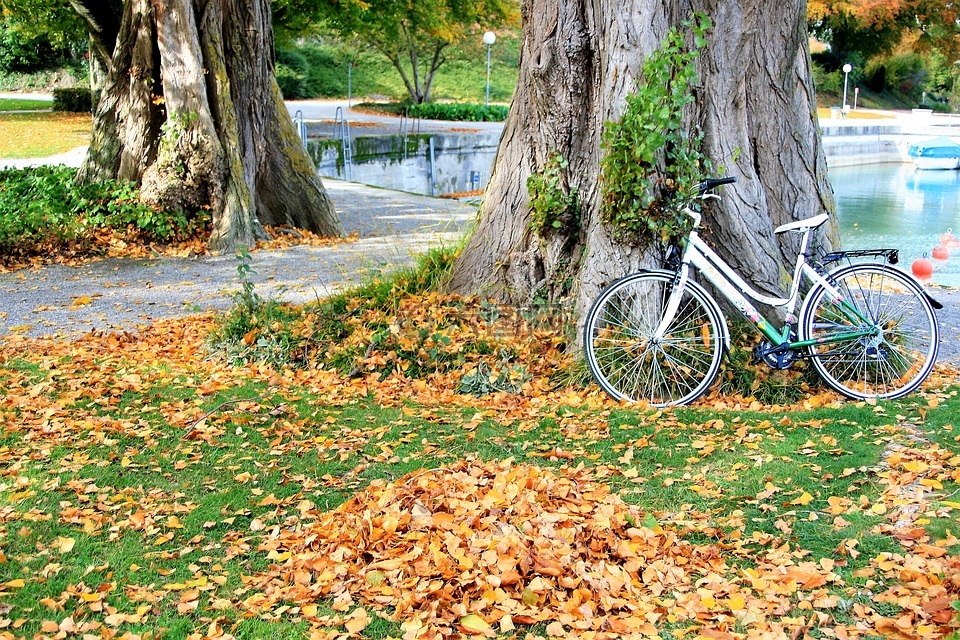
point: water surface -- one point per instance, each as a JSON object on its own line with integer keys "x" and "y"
{"x": 894, "y": 205}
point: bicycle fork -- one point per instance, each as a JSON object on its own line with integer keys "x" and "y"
{"x": 673, "y": 302}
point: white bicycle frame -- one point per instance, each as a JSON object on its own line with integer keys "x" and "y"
{"x": 704, "y": 259}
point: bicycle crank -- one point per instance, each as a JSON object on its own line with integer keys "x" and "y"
{"x": 774, "y": 356}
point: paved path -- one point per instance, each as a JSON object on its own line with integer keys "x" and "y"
{"x": 393, "y": 226}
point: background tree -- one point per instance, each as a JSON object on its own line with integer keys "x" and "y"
{"x": 189, "y": 108}
{"x": 415, "y": 36}
{"x": 753, "y": 105}
{"x": 39, "y": 34}
{"x": 874, "y": 27}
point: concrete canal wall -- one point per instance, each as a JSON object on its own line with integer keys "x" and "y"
{"x": 429, "y": 164}
{"x": 859, "y": 142}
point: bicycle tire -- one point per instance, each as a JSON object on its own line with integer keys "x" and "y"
{"x": 628, "y": 366}
{"x": 895, "y": 361}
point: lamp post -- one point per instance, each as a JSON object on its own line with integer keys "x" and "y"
{"x": 847, "y": 68}
{"x": 488, "y": 39}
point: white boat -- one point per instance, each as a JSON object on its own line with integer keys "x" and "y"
{"x": 936, "y": 153}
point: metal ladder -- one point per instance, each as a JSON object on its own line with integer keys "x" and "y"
{"x": 341, "y": 131}
{"x": 405, "y": 129}
{"x": 301, "y": 127}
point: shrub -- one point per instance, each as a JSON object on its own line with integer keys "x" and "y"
{"x": 44, "y": 209}
{"x": 74, "y": 100}
{"x": 464, "y": 112}
{"x": 326, "y": 75}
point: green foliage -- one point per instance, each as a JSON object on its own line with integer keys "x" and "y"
{"x": 43, "y": 209}
{"x": 458, "y": 111}
{"x": 506, "y": 377}
{"x": 311, "y": 71}
{"x": 259, "y": 330}
{"x": 256, "y": 329}
{"x": 554, "y": 206}
{"x": 415, "y": 37}
{"x": 650, "y": 158}
{"x": 25, "y": 52}
{"x": 53, "y": 22}
{"x": 74, "y": 100}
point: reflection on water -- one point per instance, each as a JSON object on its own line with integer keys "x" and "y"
{"x": 894, "y": 205}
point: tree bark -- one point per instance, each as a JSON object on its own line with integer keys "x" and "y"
{"x": 191, "y": 111}
{"x": 754, "y": 104}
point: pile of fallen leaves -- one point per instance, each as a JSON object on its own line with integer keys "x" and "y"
{"x": 489, "y": 548}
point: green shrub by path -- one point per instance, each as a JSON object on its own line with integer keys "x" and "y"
{"x": 463, "y": 112}
{"x": 45, "y": 209}
{"x": 73, "y": 100}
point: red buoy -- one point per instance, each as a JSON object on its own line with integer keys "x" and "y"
{"x": 922, "y": 267}
{"x": 949, "y": 240}
{"x": 940, "y": 252}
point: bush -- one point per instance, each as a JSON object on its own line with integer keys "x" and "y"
{"x": 74, "y": 100}
{"x": 464, "y": 112}
{"x": 45, "y": 209}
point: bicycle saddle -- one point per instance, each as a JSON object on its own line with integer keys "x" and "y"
{"x": 803, "y": 225}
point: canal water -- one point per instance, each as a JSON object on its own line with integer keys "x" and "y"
{"x": 896, "y": 206}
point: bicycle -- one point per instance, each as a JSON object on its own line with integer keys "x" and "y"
{"x": 657, "y": 335}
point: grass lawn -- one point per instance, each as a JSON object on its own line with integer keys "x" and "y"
{"x": 37, "y": 135}
{"x": 149, "y": 487}
{"x": 23, "y": 104}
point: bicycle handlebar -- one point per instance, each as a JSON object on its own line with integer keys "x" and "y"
{"x": 712, "y": 183}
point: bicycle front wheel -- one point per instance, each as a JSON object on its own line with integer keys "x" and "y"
{"x": 901, "y": 349}
{"x": 630, "y": 363}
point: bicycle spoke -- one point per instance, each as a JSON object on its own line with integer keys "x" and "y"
{"x": 898, "y": 347}
{"x": 630, "y": 362}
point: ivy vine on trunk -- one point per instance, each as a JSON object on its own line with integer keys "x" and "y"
{"x": 651, "y": 159}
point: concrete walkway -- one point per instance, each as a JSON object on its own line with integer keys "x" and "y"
{"x": 120, "y": 294}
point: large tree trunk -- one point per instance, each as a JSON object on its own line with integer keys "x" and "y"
{"x": 190, "y": 109}
{"x": 754, "y": 104}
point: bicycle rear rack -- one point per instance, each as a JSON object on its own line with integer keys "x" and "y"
{"x": 890, "y": 256}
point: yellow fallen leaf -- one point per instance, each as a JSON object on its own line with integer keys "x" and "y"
{"x": 79, "y": 302}
{"x": 64, "y": 545}
{"x": 357, "y": 621}
{"x": 474, "y": 624}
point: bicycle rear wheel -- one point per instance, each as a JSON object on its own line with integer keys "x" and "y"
{"x": 900, "y": 353}
{"x": 630, "y": 364}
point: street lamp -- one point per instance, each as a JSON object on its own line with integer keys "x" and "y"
{"x": 847, "y": 68}
{"x": 488, "y": 39}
